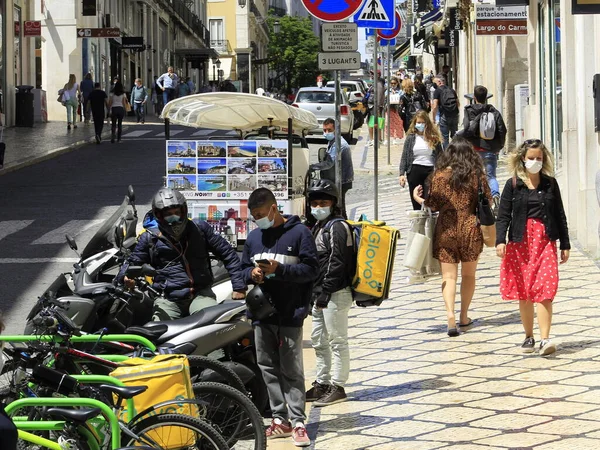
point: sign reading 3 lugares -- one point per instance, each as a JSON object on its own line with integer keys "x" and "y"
{"x": 339, "y": 37}
{"x": 227, "y": 169}
{"x": 339, "y": 61}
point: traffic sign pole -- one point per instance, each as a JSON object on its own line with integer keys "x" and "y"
{"x": 389, "y": 109}
{"x": 338, "y": 140}
{"x": 376, "y": 132}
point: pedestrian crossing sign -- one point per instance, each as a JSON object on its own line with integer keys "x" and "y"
{"x": 379, "y": 14}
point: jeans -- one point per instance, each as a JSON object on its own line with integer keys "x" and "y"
{"x": 176, "y": 309}
{"x": 86, "y": 109}
{"x": 71, "y": 105}
{"x": 168, "y": 95}
{"x": 490, "y": 161}
{"x": 140, "y": 111}
{"x": 279, "y": 356}
{"x": 330, "y": 338}
{"x": 98, "y": 122}
{"x": 448, "y": 127}
{"x": 116, "y": 114}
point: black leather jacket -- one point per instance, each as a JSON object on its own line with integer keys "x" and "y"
{"x": 513, "y": 212}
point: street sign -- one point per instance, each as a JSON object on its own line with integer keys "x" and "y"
{"x": 391, "y": 34}
{"x": 32, "y": 28}
{"x": 98, "y": 32}
{"x": 501, "y": 21}
{"x": 132, "y": 42}
{"x": 339, "y": 37}
{"x": 332, "y": 10}
{"x": 339, "y": 61}
{"x": 376, "y": 14}
{"x": 386, "y": 42}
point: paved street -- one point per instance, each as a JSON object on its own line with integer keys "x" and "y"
{"x": 411, "y": 386}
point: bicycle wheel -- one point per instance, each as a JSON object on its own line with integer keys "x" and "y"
{"x": 174, "y": 432}
{"x": 232, "y": 414}
{"x": 201, "y": 366}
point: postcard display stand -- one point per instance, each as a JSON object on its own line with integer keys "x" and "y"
{"x": 217, "y": 177}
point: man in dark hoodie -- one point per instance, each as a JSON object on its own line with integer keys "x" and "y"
{"x": 179, "y": 249}
{"x": 281, "y": 256}
{"x": 486, "y": 147}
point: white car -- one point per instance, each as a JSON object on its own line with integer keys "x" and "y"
{"x": 354, "y": 89}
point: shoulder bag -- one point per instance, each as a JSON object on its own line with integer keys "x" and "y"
{"x": 485, "y": 218}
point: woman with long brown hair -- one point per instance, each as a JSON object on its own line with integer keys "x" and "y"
{"x": 422, "y": 146}
{"x": 411, "y": 102}
{"x": 454, "y": 191}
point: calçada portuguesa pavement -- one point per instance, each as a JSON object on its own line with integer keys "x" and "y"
{"x": 413, "y": 388}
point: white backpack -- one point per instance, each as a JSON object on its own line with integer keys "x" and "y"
{"x": 487, "y": 126}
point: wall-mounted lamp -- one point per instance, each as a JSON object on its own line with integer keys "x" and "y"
{"x": 242, "y": 3}
{"x": 276, "y": 27}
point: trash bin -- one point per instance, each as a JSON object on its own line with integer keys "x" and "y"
{"x": 24, "y": 107}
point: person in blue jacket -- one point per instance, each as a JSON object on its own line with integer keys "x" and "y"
{"x": 179, "y": 249}
{"x": 281, "y": 256}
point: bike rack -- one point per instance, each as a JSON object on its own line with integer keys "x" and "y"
{"x": 85, "y": 338}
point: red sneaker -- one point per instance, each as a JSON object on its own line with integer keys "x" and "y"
{"x": 278, "y": 429}
{"x": 300, "y": 437}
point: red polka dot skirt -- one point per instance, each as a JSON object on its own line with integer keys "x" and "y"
{"x": 529, "y": 271}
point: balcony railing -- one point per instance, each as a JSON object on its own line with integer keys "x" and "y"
{"x": 191, "y": 20}
{"x": 221, "y": 45}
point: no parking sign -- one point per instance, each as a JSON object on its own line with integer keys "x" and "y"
{"x": 332, "y": 10}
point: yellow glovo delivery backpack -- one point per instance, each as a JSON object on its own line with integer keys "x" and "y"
{"x": 167, "y": 378}
{"x": 375, "y": 250}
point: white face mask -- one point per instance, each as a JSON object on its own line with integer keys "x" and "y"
{"x": 533, "y": 165}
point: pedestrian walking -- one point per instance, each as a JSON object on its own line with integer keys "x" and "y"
{"x": 422, "y": 147}
{"x": 454, "y": 192}
{"x": 332, "y": 296}
{"x": 157, "y": 97}
{"x": 168, "y": 82}
{"x": 484, "y": 127}
{"x": 380, "y": 106}
{"x": 139, "y": 96}
{"x": 191, "y": 85}
{"x": 281, "y": 256}
{"x": 445, "y": 101}
{"x": 117, "y": 104}
{"x": 395, "y": 122}
{"x": 70, "y": 93}
{"x": 422, "y": 89}
{"x": 327, "y": 167}
{"x": 87, "y": 86}
{"x": 411, "y": 101}
{"x": 532, "y": 211}
{"x": 183, "y": 89}
{"x": 98, "y": 101}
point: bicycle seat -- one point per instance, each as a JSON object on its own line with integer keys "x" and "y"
{"x": 205, "y": 317}
{"x": 151, "y": 331}
{"x": 74, "y": 415}
{"x": 125, "y": 392}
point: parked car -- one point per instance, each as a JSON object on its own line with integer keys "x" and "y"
{"x": 321, "y": 102}
{"x": 354, "y": 89}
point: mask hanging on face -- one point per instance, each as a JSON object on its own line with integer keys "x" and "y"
{"x": 533, "y": 166}
{"x": 320, "y": 213}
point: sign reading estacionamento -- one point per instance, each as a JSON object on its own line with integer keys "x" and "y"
{"x": 505, "y": 21}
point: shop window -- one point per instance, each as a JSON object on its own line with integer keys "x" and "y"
{"x": 556, "y": 76}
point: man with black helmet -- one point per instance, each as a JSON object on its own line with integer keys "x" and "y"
{"x": 179, "y": 249}
{"x": 332, "y": 294}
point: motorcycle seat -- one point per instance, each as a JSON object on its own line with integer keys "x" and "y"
{"x": 205, "y": 317}
{"x": 74, "y": 415}
{"x": 92, "y": 289}
{"x": 150, "y": 331}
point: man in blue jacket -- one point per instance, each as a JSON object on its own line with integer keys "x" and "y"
{"x": 281, "y": 256}
{"x": 179, "y": 249}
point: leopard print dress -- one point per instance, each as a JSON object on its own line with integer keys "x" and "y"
{"x": 457, "y": 236}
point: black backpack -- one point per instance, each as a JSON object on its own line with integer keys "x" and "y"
{"x": 414, "y": 103}
{"x": 448, "y": 101}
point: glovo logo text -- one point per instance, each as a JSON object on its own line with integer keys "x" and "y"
{"x": 371, "y": 253}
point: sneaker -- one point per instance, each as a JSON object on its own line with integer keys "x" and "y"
{"x": 317, "y": 391}
{"x": 68, "y": 126}
{"x": 98, "y": 139}
{"x": 335, "y": 395}
{"x": 299, "y": 436}
{"x": 278, "y": 429}
{"x": 528, "y": 345}
{"x": 547, "y": 347}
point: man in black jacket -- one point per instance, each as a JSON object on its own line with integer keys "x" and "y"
{"x": 179, "y": 249}
{"x": 332, "y": 295}
{"x": 486, "y": 147}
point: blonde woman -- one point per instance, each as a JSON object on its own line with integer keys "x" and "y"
{"x": 71, "y": 90}
{"x": 532, "y": 212}
{"x": 411, "y": 101}
{"x": 422, "y": 146}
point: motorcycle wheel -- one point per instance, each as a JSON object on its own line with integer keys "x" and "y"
{"x": 203, "y": 368}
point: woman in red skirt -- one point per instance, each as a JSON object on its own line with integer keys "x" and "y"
{"x": 532, "y": 212}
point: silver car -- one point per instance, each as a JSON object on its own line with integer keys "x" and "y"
{"x": 321, "y": 102}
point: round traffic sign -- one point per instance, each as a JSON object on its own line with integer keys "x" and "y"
{"x": 391, "y": 34}
{"x": 332, "y": 10}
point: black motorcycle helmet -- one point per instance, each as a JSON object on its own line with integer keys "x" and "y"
{"x": 259, "y": 304}
{"x": 167, "y": 198}
{"x": 323, "y": 189}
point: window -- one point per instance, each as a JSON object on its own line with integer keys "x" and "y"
{"x": 216, "y": 29}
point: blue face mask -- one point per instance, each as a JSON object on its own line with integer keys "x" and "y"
{"x": 420, "y": 127}
{"x": 264, "y": 223}
{"x": 172, "y": 219}
{"x": 329, "y": 136}
{"x": 320, "y": 213}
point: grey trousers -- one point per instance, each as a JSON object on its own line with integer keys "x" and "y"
{"x": 170, "y": 309}
{"x": 280, "y": 360}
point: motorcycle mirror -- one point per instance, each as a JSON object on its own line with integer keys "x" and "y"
{"x": 322, "y": 154}
{"x": 131, "y": 194}
{"x": 148, "y": 270}
{"x": 71, "y": 242}
{"x": 119, "y": 234}
{"x": 134, "y": 271}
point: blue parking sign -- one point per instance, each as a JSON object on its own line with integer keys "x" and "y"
{"x": 379, "y": 14}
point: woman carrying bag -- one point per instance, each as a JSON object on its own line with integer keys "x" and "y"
{"x": 69, "y": 100}
{"x": 411, "y": 102}
{"x": 454, "y": 192}
{"x": 395, "y": 122}
{"x": 118, "y": 105}
{"x": 422, "y": 146}
{"x": 532, "y": 212}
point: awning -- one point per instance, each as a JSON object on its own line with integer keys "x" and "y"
{"x": 201, "y": 54}
{"x": 429, "y": 19}
{"x": 402, "y": 50}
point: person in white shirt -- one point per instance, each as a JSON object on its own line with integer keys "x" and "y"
{"x": 69, "y": 95}
{"x": 168, "y": 82}
{"x": 422, "y": 146}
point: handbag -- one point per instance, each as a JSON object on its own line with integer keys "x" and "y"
{"x": 127, "y": 105}
{"x": 485, "y": 218}
{"x": 394, "y": 99}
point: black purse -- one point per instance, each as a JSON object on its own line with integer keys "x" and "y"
{"x": 484, "y": 213}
